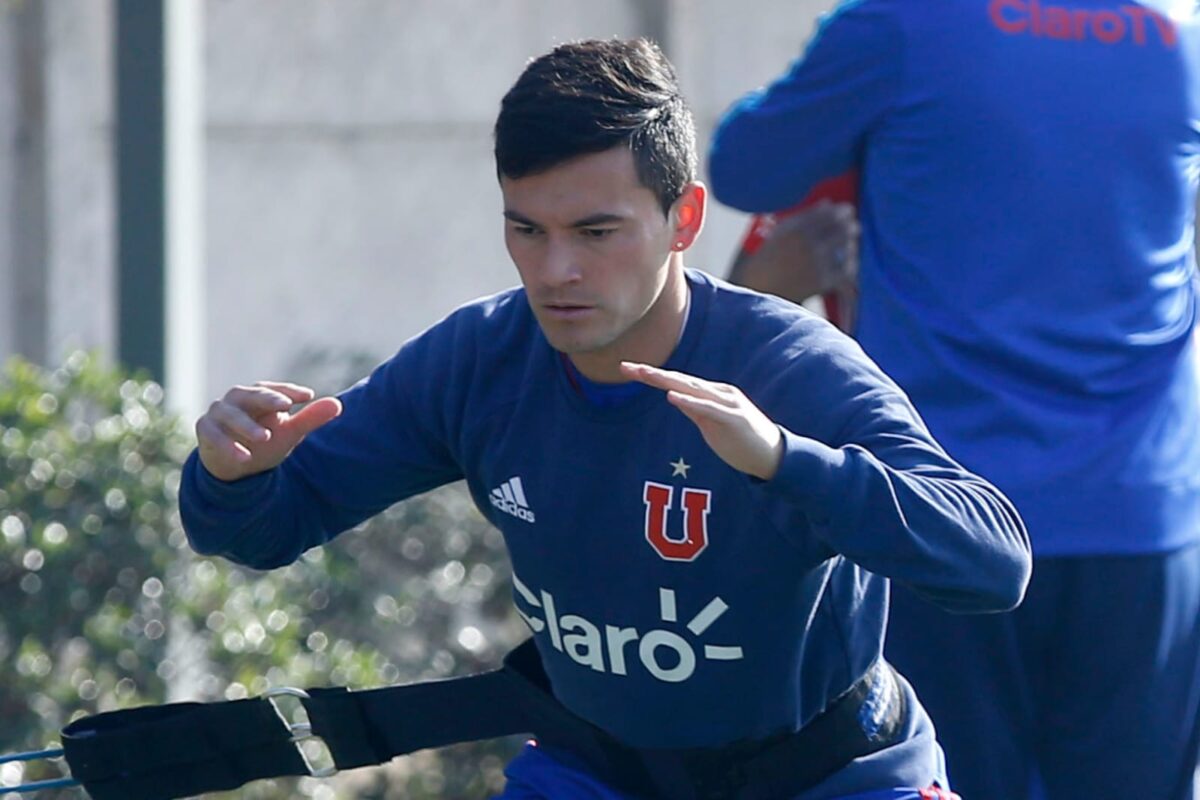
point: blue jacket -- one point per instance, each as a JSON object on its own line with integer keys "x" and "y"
{"x": 675, "y": 601}
{"x": 1028, "y": 177}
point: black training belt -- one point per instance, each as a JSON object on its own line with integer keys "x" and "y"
{"x": 184, "y": 749}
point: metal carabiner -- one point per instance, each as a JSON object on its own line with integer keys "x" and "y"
{"x": 301, "y": 731}
{"x": 37, "y": 786}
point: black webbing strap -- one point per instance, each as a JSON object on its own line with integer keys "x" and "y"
{"x": 373, "y": 726}
{"x": 370, "y": 727}
{"x": 784, "y": 765}
{"x": 179, "y": 749}
{"x": 185, "y": 749}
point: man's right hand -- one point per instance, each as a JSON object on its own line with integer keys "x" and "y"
{"x": 251, "y": 429}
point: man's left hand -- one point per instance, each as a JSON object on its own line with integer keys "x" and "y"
{"x": 737, "y": 431}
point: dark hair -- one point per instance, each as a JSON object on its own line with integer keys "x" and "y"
{"x": 590, "y": 96}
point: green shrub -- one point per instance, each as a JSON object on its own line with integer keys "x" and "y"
{"x": 105, "y": 607}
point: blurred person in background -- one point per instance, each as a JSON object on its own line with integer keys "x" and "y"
{"x": 700, "y": 487}
{"x": 809, "y": 250}
{"x": 1027, "y": 173}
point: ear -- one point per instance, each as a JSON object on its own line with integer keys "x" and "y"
{"x": 687, "y": 215}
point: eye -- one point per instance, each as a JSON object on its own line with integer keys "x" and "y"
{"x": 523, "y": 230}
{"x": 596, "y": 233}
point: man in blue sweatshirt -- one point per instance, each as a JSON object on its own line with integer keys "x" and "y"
{"x": 1028, "y": 173}
{"x": 703, "y": 490}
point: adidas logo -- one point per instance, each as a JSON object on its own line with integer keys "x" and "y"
{"x": 509, "y": 497}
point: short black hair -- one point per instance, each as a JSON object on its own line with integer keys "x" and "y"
{"x": 590, "y": 96}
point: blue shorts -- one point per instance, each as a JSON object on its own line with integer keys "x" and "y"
{"x": 537, "y": 775}
{"x": 1093, "y": 683}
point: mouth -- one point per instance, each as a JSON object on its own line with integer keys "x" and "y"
{"x": 566, "y": 311}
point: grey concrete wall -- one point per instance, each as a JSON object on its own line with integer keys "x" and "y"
{"x": 352, "y": 198}
{"x": 80, "y": 202}
{"x": 9, "y": 131}
{"x": 722, "y": 50}
{"x": 350, "y": 195}
{"x": 26, "y": 227}
{"x": 56, "y": 202}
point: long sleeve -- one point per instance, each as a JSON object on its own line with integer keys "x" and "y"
{"x": 384, "y": 447}
{"x": 900, "y": 511}
{"x": 776, "y": 143}
{"x": 880, "y": 491}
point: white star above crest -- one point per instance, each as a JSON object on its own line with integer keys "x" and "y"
{"x": 679, "y": 467}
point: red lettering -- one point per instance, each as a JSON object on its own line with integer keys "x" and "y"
{"x": 695, "y": 521}
{"x": 996, "y": 10}
{"x": 1137, "y": 17}
{"x": 1058, "y": 22}
{"x": 1108, "y": 27}
{"x": 1125, "y": 23}
{"x": 1166, "y": 29}
{"x": 1079, "y": 20}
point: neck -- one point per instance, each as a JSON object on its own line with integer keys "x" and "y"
{"x": 651, "y": 340}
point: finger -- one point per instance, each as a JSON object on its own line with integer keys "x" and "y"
{"x": 214, "y": 439}
{"x": 294, "y": 391}
{"x": 844, "y": 211}
{"x": 237, "y": 423}
{"x": 258, "y": 400}
{"x": 698, "y": 407}
{"x": 833, "y": 228}
{"x": 314, "y": 415}
{"x": 827, "y": 233}
{"x": 802, "y": 224}
{"x": 840, "y": 219}
{"x": 670, "y": 380}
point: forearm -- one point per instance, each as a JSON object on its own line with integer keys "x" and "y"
{"x": 948, "y": 534}
{"x": 381, "y": 449}
{"x": 251, "y": 521}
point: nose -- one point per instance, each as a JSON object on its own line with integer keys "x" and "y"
{"x": 561, "y": 264}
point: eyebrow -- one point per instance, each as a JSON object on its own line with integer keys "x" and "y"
{"x": 603, "y": 218}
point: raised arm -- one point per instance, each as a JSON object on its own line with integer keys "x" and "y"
{"x": 251, "y": 429}
{"x": 884, "y": 494}
{"x": 265, "y": 485}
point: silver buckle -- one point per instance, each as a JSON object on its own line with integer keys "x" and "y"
{"x": 301, "y": 731}
{"x": 37, "y": 786}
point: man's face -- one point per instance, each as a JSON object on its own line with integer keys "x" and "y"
{"x": 592, "y": 246}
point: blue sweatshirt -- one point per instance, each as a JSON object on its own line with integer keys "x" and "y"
{"x": 675, "y": 601}
{"x": 1028, "y": 177}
